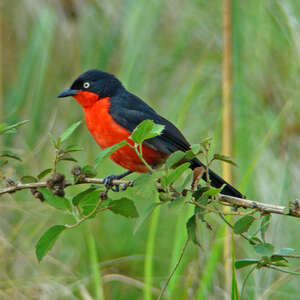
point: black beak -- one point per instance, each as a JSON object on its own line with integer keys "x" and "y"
{"x": 67, "y": 93}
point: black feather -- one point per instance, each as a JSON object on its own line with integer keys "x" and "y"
{"x": 129, "y": 111}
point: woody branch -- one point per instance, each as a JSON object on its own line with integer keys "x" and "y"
{"x": 233, "y": 201}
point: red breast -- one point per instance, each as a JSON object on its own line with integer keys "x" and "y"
{"x": 107, "y": 133}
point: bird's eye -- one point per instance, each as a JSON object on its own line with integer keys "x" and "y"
{"x": 86, "y": 85}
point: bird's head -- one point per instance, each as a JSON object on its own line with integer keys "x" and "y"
{"x": 91, "y": 86}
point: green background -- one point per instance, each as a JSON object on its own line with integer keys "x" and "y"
{"x": 170, "y": 54}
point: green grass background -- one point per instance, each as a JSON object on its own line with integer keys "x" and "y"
{"x": 170, "y": 54}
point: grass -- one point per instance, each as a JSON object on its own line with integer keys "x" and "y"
{"x": 170, "y": 54}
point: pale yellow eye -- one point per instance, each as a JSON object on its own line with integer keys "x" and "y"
{"x": 86, "y": 85}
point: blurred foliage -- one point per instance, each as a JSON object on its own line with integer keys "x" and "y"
{"x": 170, "y": 54}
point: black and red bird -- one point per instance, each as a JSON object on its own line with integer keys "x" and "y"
{"x": 112, "y": 113}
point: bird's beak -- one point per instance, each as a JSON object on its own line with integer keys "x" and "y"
{"x": 67, "y": 93}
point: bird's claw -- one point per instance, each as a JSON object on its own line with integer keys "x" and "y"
{"x": 108, "y": 183}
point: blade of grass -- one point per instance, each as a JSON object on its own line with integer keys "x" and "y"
{"x": 148, "y": 266}
{"x": 95, "y": 265}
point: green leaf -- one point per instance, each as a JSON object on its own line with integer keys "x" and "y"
{"x": 242, "y": 263}
{"x": 256, "y": 240}
{"x": 146, "y": 130}
{"x": 177, "y": 201}
{"x": 47, "y": 241}
{"x": 80, "y": 196}
{"x": 276, "y": 257}
{"x": 176, "y": 173}
{"x": 10, "y": 154}
{"x": 206, "y": 142}
{"x": 73, "y": 148}
{"x": 191, "y": 227}
{"x": 67, "y": 157}
{"x": 145, "y": 215}
{"x": 107, "y": 152}
{"x": 28, "y": 179}
{"x": 174, "y": 158}
{"x": 281, "y": 264}
{"x": 55, "y": 201}
{"x": 68, "y": 132}
{"x": 213, "y": 191}
{"x": 243, "y": 224}
{"x": 89, "y": 201}
{"x": 89, "y": 171}
{"x": 124, "y": 207}
{"x": 264, "y": 249}
{"x": 285, "y": 251}
{"x": 6, "y": 129}
{"x": 224, "y": 158}
{"x": 264, "y": 225}
{"x": 196, "y": 148}
{"x": 44, "y": 173}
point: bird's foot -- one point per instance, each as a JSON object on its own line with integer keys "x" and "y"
{"x": 108, "y": 183}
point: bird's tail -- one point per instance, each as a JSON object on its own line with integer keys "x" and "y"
{"x": 217, "y": 181}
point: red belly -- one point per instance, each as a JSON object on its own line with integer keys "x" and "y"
{"x": 107, "y": 133}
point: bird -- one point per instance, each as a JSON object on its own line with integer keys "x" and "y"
{"x": 112, "y": 113}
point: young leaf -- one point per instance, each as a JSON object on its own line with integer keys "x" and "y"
{"x": 67, "y": 157}
{"x": 73, "y": 148}
{"x": 68, "y": 132}
{"x": 124, "y": 207}
{"x": 10, "y": 154}
{"x": 224, "y": 158}
{"x": 176, "y": 173}
{"x": 264, "y": 225}
{"x": 243, "y": 224}
{"x": 55, "y": 201}
{"x": 191, "y": 227}
{"x": 264, "y": 249}
{"x": 47, "y": 241}
{"x": 242, "y": 263}
{"x": 28, "y": 179}
{"x": 146, "y": 130}
{"x": 6, "y": 129}
{"x": 280, "y": 264}
{"x": 195, "y": 148}
{"x": 213, "y": 191}
{"x": 89, "y": 171}
{"x": 276, "y": 257}
{"x": 44, "y": 173}
{"x": 107, "y": 152}
{"x": 174, "y": 158}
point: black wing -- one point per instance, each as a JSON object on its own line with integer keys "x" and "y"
{"x": 129, "y": 111}
{"x": 135, "y": 111}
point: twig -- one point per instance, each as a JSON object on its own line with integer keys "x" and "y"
{"x": 174, "y": 269}
{"x": 24, "y": 186}
{"x": 237, "y": 202}
{"x": 260, "y": 206}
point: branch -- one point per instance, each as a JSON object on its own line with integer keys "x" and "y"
{"x": 260, "y": 206}
{"x": 237, "y": 202}
{"x": 42, "y": 184}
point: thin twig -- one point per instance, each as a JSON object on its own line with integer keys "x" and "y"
{"x": 174, "y": 269}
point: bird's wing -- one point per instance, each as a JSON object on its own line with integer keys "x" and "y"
{"x": 169, "y": 141}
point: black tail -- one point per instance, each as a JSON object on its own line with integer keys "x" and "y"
{"x": 217, "y": 181}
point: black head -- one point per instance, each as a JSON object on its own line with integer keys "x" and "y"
{"x": 95, "y": 81}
